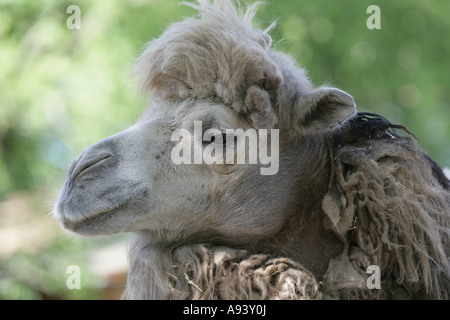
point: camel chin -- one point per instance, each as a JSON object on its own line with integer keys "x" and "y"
{"x": 96, "y": 219}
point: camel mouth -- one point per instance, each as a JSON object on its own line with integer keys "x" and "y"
{"x": 102, "y": 220}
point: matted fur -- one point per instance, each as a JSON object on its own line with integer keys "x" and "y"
{"x": 393, "y": 212}
{"x": 211, "y": 272}
{"x": 222, "y": 273}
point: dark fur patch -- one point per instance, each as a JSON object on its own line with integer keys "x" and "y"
{"x": 396, "y": 209}
{"x": 369, "y": 126}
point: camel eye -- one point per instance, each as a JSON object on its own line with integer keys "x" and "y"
{"x": 224, "y": 138}
{"x": 214, "y": 138}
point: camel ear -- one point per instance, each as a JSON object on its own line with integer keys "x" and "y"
{"x": 321, "y": 110}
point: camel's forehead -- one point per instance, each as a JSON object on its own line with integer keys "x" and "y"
{"x": 184, "y": 113}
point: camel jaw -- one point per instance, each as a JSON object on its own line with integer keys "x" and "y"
{"x": 94, "y": 218}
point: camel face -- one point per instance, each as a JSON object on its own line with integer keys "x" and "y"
{"x": 129, "y": 178}
{"x": 105, "y": 186}
{"x": 130, "y": 181}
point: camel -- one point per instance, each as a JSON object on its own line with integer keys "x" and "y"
{"x": 352, "y": 194}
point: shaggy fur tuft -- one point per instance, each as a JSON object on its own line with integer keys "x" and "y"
{"x": 224, "y": 273}
{"x": 393, "y": 208}
{"x": 218, "y": 57}
{"x": 210, "y": 272}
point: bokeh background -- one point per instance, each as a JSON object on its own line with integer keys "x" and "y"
{"x": 62, "y": 89}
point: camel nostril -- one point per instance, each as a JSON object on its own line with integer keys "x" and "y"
{"x": 89, "y": 162}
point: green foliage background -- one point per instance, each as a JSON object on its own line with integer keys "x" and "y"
{"x": 62, "y": 89}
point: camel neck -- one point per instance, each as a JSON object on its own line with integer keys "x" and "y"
{"x": 303, "y": 237}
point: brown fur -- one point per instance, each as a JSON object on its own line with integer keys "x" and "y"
{"x": 209, "y": 271}
{"x": 396, "y": 215}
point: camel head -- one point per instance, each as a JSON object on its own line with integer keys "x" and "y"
{"x": 172, "y": 174}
